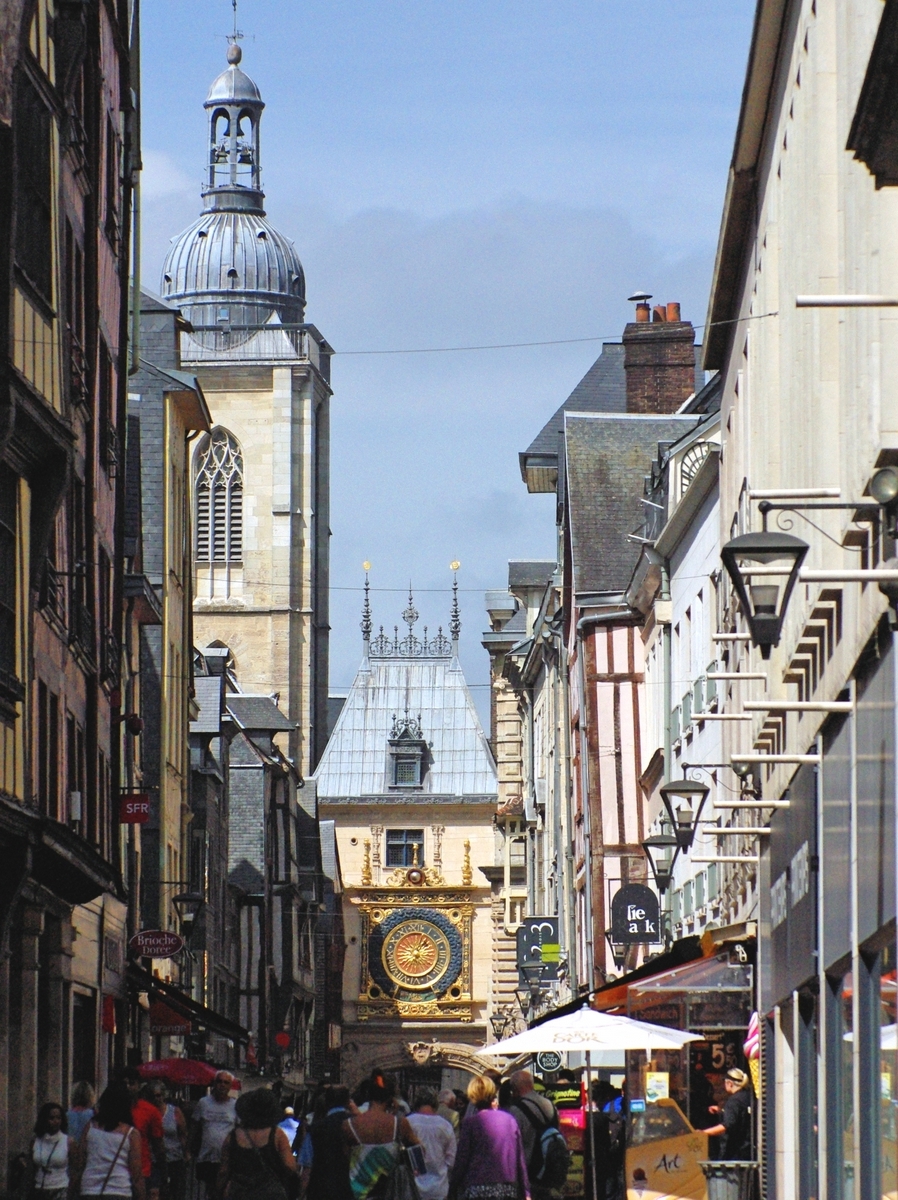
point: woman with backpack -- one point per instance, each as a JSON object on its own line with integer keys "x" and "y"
{"x": 489, "y": 1163}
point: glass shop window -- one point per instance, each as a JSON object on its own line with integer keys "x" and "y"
{"x": 405, "y": 847}
{"x": 847, "y": 1090}
{"x": 888, "y": 1072}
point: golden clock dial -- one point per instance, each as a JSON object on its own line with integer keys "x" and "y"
{"x": 416, "y": 954}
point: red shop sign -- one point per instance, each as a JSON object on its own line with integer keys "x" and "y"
{"x": 134, "y": 809}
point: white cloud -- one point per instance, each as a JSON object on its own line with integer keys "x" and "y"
{"x": 161, "y": 176}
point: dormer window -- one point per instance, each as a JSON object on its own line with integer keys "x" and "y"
{"x": 407, "y": 760}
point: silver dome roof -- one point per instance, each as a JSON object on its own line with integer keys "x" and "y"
{"x": 233, "y": 86}
{"x": 231, "y": 272}
{"x": 234, "y": 268}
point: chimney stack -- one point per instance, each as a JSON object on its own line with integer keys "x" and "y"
{"x": 659, "y": 357}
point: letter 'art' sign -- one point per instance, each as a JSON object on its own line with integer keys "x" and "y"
{"x": 635, "y": 915}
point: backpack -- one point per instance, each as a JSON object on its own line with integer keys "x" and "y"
{"x": 550, "y": 1160}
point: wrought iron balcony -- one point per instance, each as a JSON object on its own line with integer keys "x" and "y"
{"x": 111, "y": 658}
{"x": 78, "y": 389}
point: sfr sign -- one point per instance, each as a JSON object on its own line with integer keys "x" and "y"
{"x": 134, "y": 809}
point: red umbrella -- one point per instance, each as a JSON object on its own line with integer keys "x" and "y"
{"x": 181, "y": 1071}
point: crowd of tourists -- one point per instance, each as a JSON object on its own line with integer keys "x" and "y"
{"x": 498, "y": 1141}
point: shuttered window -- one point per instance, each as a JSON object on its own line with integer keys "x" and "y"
{"x": 219, "y": 498}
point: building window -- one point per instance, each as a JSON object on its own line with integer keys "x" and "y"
{"x": 8, "y": 508}
{"x": 34, "y": 189}
{"x": 406, "y": 770}
{"x": 405, "y": 847}
{"x": 407, "y": 753}
{"x": 219, "y": 498}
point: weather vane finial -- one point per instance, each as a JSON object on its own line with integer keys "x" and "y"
{"x": 236, "y": 36}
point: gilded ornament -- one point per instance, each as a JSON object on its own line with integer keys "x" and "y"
{"x": 467, "y": 875}
{"x": 367, "y": 879}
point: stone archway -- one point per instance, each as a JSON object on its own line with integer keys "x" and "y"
{"x": 404, "y": 1055}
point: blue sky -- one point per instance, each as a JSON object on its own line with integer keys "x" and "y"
{"x": 455, "y": 175}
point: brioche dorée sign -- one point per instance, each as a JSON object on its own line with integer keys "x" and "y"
{"x": 156, "y": 943}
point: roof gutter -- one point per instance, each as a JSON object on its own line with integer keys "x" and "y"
{"x": 735, "y": 238}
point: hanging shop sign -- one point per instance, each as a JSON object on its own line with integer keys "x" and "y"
{"x": 156, "y": 943}
{"x": 538, "y": 943}
{"x": 164, "y": 1019}
{"x": 134, "y": 808}
{"x": 635, "y": 915}
{"x": 548, "y": 1060}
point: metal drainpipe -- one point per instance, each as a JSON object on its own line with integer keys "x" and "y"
{"x": 587, "y": 818}
{"x": 569, "y": 865}
{"x": 668, "y": 682}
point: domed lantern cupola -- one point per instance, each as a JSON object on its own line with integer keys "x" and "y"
{"x": 235, "y": 108}
{"x": 231, "y": 272}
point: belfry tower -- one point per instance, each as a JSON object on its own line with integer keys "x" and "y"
{"x": 261, "y": 477}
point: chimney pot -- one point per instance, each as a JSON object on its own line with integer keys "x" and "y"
{"x": 659, "y": 313}
{"x": 673, "y": 310}
{"x": 642, "y": 312}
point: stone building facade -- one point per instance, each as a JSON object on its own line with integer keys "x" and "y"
{"x": 410, "y": 784}
{"x": 65, "y": 211}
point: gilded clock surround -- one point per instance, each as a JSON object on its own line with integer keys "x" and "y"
{"x": 416, "y": 948}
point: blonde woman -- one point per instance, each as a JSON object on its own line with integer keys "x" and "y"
{"x": 489, "y": 1164}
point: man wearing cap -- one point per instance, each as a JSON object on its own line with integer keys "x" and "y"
{"x": 734, "y": 1129}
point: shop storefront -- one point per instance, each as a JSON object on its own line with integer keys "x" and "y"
{"x": 827, "y": 972}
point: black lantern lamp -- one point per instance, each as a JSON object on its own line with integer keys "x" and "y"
{"x": 188, "y": 905}
{"x": 618, "y": 950}
{"x": 661, "y": 851}
{"x": 883, "y": 487}
{"x": 499, "y": 1022}
{"x": 684, "y": 819}
{"x": 757, "y": 563}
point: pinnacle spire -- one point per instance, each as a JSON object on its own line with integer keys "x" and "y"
{"x": 365, "y": 623}
{"x": 455, "y": 613}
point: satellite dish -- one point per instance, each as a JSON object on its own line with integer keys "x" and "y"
{"x": 639, "y": 297}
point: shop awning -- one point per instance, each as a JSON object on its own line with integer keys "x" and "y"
{"x": 142, "y": 981}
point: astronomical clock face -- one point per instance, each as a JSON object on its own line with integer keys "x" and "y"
{"x": 416, "y": 955}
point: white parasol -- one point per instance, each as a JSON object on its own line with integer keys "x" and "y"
{"x": 587, "y": 1031}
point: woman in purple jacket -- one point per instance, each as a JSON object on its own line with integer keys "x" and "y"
{"x": 489, "y": 1164}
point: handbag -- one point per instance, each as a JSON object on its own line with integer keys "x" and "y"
{"x": 401, "y": 1182}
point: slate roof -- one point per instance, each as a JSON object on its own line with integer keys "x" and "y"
{"x": 258, "y": 713}
{"x": 530, "y": 572}
{"x": 208, "y": 698}
{"x": 602, "y": 389}
{"x": 608, "y": 457}
{"x": 330, "y": 861}
{"x": 354, "y": 763}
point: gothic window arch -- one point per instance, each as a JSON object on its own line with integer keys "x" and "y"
{"x": 219, "y": 498}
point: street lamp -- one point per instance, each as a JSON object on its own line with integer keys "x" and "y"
{"x": 684, "y": 820}
{"x": 618, "y": 950}
{"x": 188, "y": 905}
{"x": 501, "y": 1021}
{"x": 661, "y": 851}
{"x": 757, "y": 563}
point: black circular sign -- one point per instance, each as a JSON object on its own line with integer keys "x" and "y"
{"x": 548, "y": 1060}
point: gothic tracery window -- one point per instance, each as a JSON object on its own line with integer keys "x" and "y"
{"x": 219, "y": 498}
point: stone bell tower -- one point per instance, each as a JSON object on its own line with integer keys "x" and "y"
{"x": 261, "y": 477}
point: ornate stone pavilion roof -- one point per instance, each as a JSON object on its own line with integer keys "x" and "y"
{"x": 408, "y": 681}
